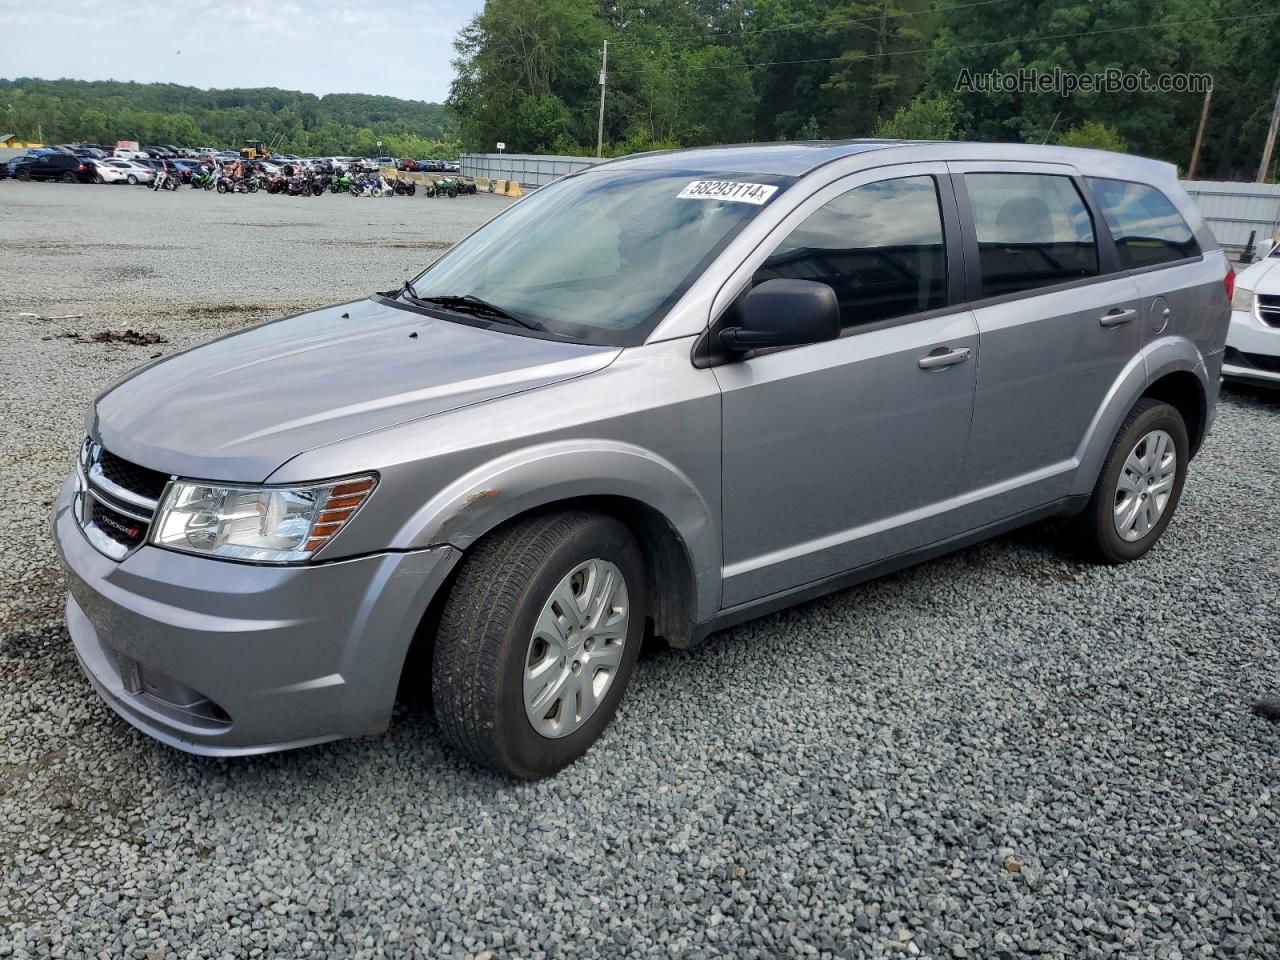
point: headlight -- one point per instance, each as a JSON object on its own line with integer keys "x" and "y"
{"x": 1242, "y": 299}
{"x": 261, "y": 524}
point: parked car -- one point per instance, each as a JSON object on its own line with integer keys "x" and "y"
{"x": 124, "y": 153}
{"x": 51, "y": 164}
{"x": 122, "y": 171}
{"x": 1253, "y": 342}
{"x": 671, "y": 392}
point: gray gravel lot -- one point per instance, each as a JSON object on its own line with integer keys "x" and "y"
{"x": 1002, "y": 753}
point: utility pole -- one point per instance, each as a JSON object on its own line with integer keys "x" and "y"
{"x": 1271, "y": 141}
{"x": 1195, "y": 151}
{"x": 604, "y": 76}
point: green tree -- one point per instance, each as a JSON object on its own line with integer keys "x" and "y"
{"x": 525, "y": 72}
{"x": 1093, "y": 134}
{"x": 924, "y": 118}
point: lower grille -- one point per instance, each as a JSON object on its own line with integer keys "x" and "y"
{"x": 1258, "y": 361}
{"x": 1263, "y": 362}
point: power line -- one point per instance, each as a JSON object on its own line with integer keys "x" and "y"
{"x": 994, "y": 43}
{"x": 817, "y": 25}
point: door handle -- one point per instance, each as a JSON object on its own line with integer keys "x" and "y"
{"x": 1113, "y": 318}
{"x": 942, "y": 358}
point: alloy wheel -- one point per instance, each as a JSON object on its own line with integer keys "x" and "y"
{"x": 1145, "y": 485}
{"x": 576, "y": 648}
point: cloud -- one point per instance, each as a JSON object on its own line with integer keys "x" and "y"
{"x": 319, "y": 46}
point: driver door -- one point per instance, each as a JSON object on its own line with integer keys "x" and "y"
{"x": 843, "y": 453}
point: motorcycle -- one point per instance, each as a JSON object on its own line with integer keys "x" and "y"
{"x": 405, "y": 189}
{"x": 368, "y": 186}
{"x": 318, "y": 182}
{"x": 203, "y": 180}
{"x": 341, "y": 183}
{"x": 445, "y": 186}
{"x": 236, "y": 185}
{"x": 165, "y": 181}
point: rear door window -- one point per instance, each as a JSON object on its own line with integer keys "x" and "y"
{"x": 879, "y": 246}
{"x": 1033, "y": 230}
{"x": 1147, "y": 227}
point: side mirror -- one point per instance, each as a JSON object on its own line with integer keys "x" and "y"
{"x": 785, "y": 313}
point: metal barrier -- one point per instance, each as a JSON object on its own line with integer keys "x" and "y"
{"x": 1234, "y": 210}
{"x": 531, "y": 170}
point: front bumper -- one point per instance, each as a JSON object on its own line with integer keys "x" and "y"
{"x": 222, "y": 658}
{"x": 1253, "y": 350}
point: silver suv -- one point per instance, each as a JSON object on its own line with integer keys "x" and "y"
{"x": 662, "y": 396}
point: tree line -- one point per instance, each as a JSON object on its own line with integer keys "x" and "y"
{"x": 692, "y": 72}
{"x": 340, "y": 124}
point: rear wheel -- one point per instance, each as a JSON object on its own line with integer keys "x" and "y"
{"x": 1139, "y": 487}
{"x": 68, "y": 177}
{"x": 538, "y": 640}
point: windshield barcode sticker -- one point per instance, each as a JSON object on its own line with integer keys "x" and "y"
{"x": 731, "y": 190}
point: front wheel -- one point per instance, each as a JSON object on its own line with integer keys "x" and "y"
{"x": 68, "y": 177}
{"x": 1139, "y": 487}
{"x": 538, "y": 640}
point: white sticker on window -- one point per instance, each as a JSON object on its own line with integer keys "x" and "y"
{"x": 731, "y": 190}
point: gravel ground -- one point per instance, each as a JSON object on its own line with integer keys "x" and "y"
{"x": 999, "y": 754}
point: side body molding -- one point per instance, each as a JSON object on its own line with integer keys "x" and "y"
{"x": 528, "y": 478}
{"x": 1157, "y": 359}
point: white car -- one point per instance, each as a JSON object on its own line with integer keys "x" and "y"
{"x": 1253, "y": 342}
{"x": 124, "y": 171}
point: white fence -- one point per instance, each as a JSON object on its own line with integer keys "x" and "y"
{"x": 1234, "y": 210}
{"x": 530, "y": 169}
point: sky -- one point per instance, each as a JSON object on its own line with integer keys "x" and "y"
{"x": 400, "y": 49}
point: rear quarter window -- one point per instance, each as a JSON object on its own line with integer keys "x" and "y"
{"x": 1147, "y": 227}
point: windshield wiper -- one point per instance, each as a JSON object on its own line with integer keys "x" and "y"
{"x": 473, "y": 304}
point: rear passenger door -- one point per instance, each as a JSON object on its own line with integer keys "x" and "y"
{"x": 1057, "y": 324}
{"x": 1181, "y": 294}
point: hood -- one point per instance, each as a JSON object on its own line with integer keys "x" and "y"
{"x": 239, "y": 407}
{"x": 1261, "y": 277}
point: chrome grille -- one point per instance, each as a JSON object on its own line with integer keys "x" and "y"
{"x": 116, "y": 500}
{"x": 1269, "y": 309}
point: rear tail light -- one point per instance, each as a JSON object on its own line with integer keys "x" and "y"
{"x": 1229, "y": 281}
{"x": 80, "y": 169}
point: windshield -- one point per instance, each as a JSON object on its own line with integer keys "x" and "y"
{"x": 600, "y": 257}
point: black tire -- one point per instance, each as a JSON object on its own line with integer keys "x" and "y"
{"x": 487, "y": 625}
{"x": 23, "y": 175}
{"x": 97, "y": 178}
{"x": 133, "y": 181}
{"x": 1094, "y": 529}
{"x": 222, "y": 187}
